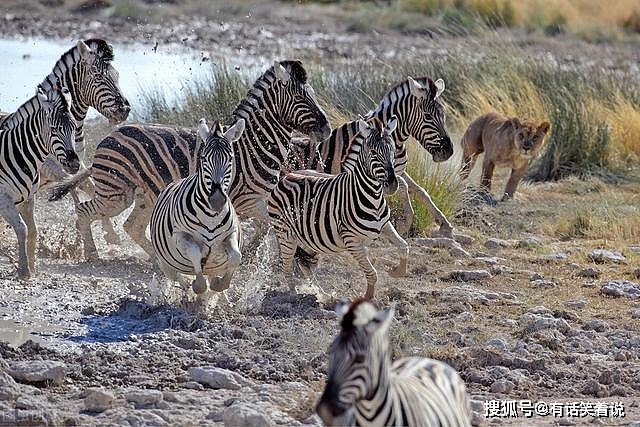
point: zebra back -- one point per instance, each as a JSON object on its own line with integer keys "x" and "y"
{"x": 365, "y": 388}
{"x": 41, "y": 126}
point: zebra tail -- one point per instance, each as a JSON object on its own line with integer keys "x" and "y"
{"x": 60, "y": 190}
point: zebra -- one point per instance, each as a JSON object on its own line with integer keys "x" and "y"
{"x": 193, "y": 224}
{"x": 421, "y": 115}
{"x": 86, "y": 70}
{"x": 333, "y": 213}
{"x": 135, "y": 162}
{"x": 365, "y": 388}
{"x": 41, "y": 126}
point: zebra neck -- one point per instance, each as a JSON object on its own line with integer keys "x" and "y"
{"x": 380, "y": 385}
{"x": 397, "y": 102}
{"x": 25, "y": 135}
{"x": 63, "y": 74}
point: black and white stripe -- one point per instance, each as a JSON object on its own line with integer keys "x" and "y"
{"x": 416, "y": 105}
{"x": 86, "y": 70}
{"x": 41, "y": 126}
{"x": 135, "y": 162}
{"x": 364, "y": 388}
{"x": 194, "y": 227}
{"x": 326, "y": 214}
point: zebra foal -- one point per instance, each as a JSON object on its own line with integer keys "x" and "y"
{"x": 41, "y": 126}
{"x": 194, "y": 227}
{"x": 365, "y": 388}
{"x": 334, "y": 213}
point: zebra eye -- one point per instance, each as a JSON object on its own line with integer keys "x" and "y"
{"x": 359, "y": 358}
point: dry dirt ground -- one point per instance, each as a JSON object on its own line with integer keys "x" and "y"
{"x": 529, "y": 327}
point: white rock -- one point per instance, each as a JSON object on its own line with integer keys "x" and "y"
{"x": 576, "y": 303}
{"x": 246, "y": 414}
{"x": 621, "y": 288}
{"x": 589, "y": 272}
{"x": 497, "y": 343}
{"x": 38, "y": 371}
{"x": 603, "y": 255}
{"x": 144, "y": 398}
{"x": 542, "y": 283}
{"x": 98, "y": 400}
{"x": 218, "y": 378}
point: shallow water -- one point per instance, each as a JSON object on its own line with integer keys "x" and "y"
{"x": 25, "y": 63}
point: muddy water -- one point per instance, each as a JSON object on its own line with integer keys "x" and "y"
{"x": 25, "y": 63}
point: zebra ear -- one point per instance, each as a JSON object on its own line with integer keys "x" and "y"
{"x": 416, "y": 88}
{"x": 381, "y": 321}
{"x": 342, "y": 308}
{"x": 85, "y": 51}
{"x": 42, "y": 97}
{"x": 392, "y": 124}
{"x": 235, "y": 132}
{"x": 439, "y": 84}
{"x": 281, "y": 72}
{"x": 203, "y": 129}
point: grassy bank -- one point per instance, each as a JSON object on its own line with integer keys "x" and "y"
{"x": 595, "y": 115}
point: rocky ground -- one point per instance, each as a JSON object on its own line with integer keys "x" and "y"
{"x": 521, "y": 311}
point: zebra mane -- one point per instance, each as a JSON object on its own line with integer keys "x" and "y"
{"x": 24, "y": 111}
{"x": 102, "y": 49}
{"x": 424, "y": 80}
{"x": 360, "y": 313}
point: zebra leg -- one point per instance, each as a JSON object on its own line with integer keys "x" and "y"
{"x": 446, "y": 229}
{"x": 26, "y": 211}
{"x": 10, "y": 213}
{"x": 137, "y": 222}
{"x": 234, "y": 256}
{"x": 404, "y": 224}
{"x": 361, "y": 254}
{"x": 192, "y": 250}
{"x": 390, "y": 233}
{"x": 287, "y": 244}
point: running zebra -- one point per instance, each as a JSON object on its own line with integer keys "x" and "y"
{"x": 41, "y": 126}
{"x": 334, "y": 213}
{"x": 193, "y": 225}
{"x": 86, "y": 71}
{"x": 365, "y": 388}
{"x": 420, "y": 114}
{"x": 135, "y": 162}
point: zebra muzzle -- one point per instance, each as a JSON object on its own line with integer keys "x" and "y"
{"x": 71, "y": 162}
{"x": 217, "y": 198}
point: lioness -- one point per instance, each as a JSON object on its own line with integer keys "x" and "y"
{"x": 504, "y": 141}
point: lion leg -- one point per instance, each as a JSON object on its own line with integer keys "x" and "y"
{"x": 512, "y": 184}
{"x": 485, "y": 182}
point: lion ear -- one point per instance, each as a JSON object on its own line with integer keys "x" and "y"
{"x": 515, "y": 122}
{"x": 544, "y": 127}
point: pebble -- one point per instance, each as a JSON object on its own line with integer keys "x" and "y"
{"x": 38, "y": 371}
{"x": 576, "y": 303}
{"x": 144, "y": 398}
{"x": 529, "y": 243}
{"x": 246, "y": 414}
{"x": 589, "y": 272}
{"x": 493, "y": 243}
{"x": 603, "y": 255}
{"x": 621, "y": 288}
{"x": 595, "y": 325}
{"x": 468, "y": 275}
{"x": 218, "y": 378}
{"x": 542, "y": 283}
{"x": 98, "y": 400}
{"x": 635, "y": 314}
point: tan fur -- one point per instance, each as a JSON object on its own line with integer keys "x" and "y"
{"x": 504, "y": 142}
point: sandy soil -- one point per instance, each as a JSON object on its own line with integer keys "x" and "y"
{"x": 514, "y": 333}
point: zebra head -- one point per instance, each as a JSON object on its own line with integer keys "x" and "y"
{"x": 358, "y": 357}
{"x": 215, "y": 160}
{"x": 58, "y": 130}
{"x": 426, "y": 121}
{"x": 298, "y": 106}
{"x": 98, "y": 81}
{"x": 379, "y": 151}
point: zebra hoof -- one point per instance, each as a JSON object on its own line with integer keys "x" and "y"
{"x": 24, "y": 273}
{"x": 199, "y": 285}
{"x": 399, "y": 271}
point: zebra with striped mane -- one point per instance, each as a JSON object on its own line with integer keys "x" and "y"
{"x": 135, "y": 162}
{"x": 86, "y": 70}
{"x": 194, "y": 227}
{"x": 416, "y": 104}
{"x": 365, "y": 388}
{"x": 328, "y": 214}
{"x": 41, "y": 126}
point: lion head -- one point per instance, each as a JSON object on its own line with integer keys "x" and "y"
{"x": 529, "y": 138}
